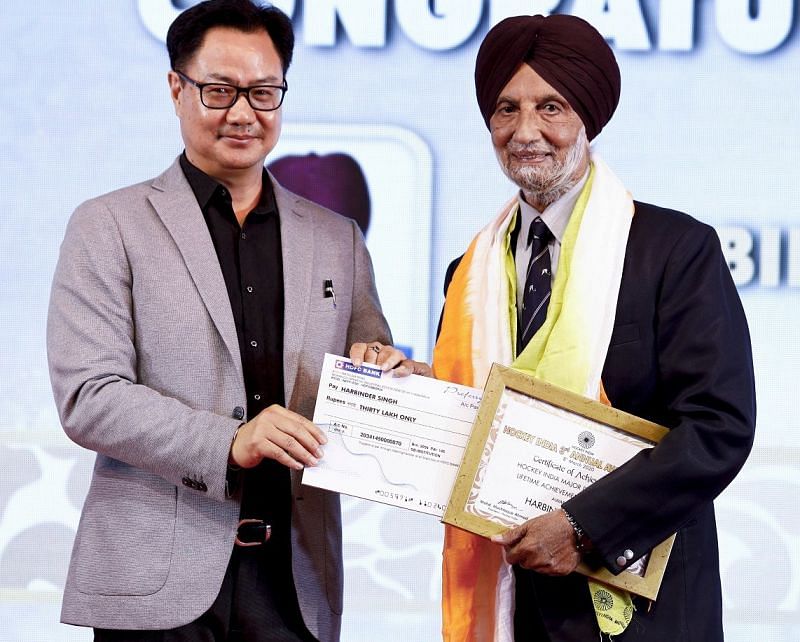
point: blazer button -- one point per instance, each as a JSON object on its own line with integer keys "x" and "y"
{"x": 238, "y": 412}
{"x": 621, "y": 561}
{"x": 628, "y": 553}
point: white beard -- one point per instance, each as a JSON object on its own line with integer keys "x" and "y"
{"x": 545, "y": 185}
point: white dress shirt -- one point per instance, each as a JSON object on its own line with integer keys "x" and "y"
{"x": 556, "y": 216}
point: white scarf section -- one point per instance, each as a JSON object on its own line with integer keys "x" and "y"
{"x": 488, "y": 296}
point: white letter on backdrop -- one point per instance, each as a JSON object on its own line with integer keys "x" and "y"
{"x": 760, "y": 34}
{"x": 449, "y": 25}
{"x": 364, "y": 22}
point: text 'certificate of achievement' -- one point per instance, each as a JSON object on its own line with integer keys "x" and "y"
{"x": 396, "y": 440}
{"x": 533, "y": 447}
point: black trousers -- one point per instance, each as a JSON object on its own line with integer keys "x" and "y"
{"x": 553, "y": 609}
{"x": 257, "y": 603}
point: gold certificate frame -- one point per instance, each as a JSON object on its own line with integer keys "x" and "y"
{"x": 532, "y": 447}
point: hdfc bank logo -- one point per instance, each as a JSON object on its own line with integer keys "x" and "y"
{"x": 364, "y": 369}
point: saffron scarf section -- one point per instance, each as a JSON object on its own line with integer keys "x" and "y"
{"x": 478, "y": 329}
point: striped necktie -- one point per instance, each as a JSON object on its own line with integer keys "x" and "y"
{"x": 537, "y": 284}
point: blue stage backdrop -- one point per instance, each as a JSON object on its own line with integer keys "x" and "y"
{"x": 707, "y": 124}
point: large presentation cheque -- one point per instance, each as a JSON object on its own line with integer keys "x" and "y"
{"x": 533, "y": 447}
{"x": 396, "y": 440}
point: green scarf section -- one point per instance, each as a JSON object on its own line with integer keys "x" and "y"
{"x": 551, "y": 355}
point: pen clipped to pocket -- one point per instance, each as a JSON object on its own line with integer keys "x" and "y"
{"x": 328, "y": 291}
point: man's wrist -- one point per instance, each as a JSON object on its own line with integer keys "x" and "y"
{"x": 232, "y": 474}
{"x": 582, "y": 542}
{"x": 232, "y": 465}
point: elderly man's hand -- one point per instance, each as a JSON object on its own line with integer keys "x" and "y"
{"x": 545, "y": 544}
{"x": 387, "y": 358}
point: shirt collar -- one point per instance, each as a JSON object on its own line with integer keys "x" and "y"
{"x": 556, "y": 215}
{"x": 206, "y": 188}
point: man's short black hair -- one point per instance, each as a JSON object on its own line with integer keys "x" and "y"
{"x": 186, "y": 33}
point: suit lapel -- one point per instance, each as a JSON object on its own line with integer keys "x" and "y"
{"x": 297, "y": 250}
{"x": 176, "y": 205}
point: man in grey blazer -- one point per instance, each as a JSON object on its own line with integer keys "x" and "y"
{"x": 188, "y": 321}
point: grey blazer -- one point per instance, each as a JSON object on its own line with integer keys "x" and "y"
{"x": 145, "y": 367}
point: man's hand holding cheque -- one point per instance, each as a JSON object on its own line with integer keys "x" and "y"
{"x": 387, "y": 358}
{"x": 279, "y": 434}
{"x": 291, "y": 439}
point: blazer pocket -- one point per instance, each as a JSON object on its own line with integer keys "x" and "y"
{"x": 125, "y": 539}
{"x": 625, "y": 333}
{"x": 327, "y": 325}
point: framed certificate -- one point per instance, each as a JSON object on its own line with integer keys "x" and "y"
{"x": 532, "y": 447}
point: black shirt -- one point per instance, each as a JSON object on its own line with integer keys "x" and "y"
{"x": 251, "y": 263}
{"x": 250, "y": 259}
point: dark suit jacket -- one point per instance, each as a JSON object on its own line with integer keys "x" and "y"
{"x": 680, "y": 356}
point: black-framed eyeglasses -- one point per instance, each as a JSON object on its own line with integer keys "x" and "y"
{"x": 217, "y": 95}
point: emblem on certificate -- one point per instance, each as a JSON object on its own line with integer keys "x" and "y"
{"x": 532, "y": 447}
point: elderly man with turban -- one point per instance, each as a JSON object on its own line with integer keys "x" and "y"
{"x": 578, "y": 284}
